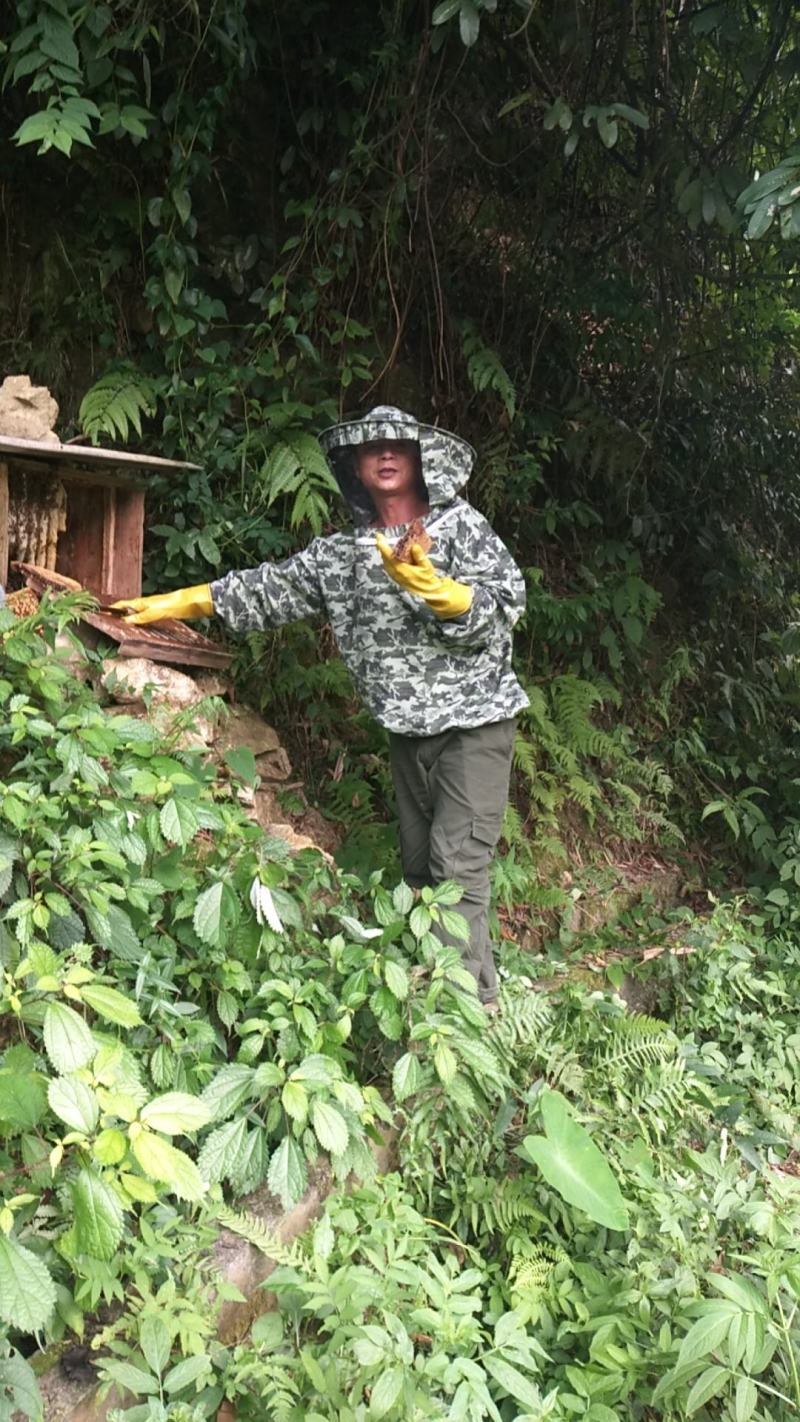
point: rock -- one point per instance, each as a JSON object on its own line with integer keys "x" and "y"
{"x": 274, "y": 765}
{"x": 210, "y": 683}
{"x": 244, "y": 727}
{"x": 127, "y": 678}
{"x": 27, "y": 411}
{"x": 281, "y": 830}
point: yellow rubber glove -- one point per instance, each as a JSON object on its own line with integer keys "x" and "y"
{"x": 444, "y": 596}
{"x": 186, "y": 604}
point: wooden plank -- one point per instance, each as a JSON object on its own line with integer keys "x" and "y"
{"x": 169, "y": 641}
{"x": 87, "y": 454}
{"x": 80, "y": 548}
{"x": 109, "y": 501}
{"x": 128, "y": 545}
{"x": 3, "y": 524}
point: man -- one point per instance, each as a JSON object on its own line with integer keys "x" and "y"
{"x": 427, "y": 643}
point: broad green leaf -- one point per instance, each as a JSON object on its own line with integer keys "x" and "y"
{"x": 704, "y": 1336}
{"x": 19, "y": 1388}
{"x": 133, "y": 1379}
{"x": 161, "y": 1161}
{"x": 709, "y": 1384}
{"x": 243, "y": 764}
{"x": 287, "y": 1176}
{"x": 317, "y": 1070}
{"x": 74, "y": 1103}
{"x": 406, "y": 1076}
{"x": 403, "y": 898}
{"x": 67, "y": 1039}
{"x": 219, "y": 1157}
{"x": 23, "y": 1100}
{"x": 445, "y": 1063}
{"x": 740, "y": 1291}
{"x": 396, "y": 979}
{"x": 179, "y": 822}
{"x": 571, "y": 1162}
{"x": 187, "y": 1372}
{"x": 98, "y": 1217}
{"x": 208, "y": 914}
{"x": 155, "y": 1342}
{"x": 176, "y": 1113}
{"x": 745, "y": 1400}
{"x": 294, "y": 1099}
{"x": 27, "y": 1292}
{"x": 469, "y": 22}
{"x": 386, "y": 1392}
{"x": 330, "y": 1127}
{"x": 513, "y": 1382}
{"x": 110, "y": 1146}
{"x": 228, "y": 1089}
{"x": 111, "y": 1004}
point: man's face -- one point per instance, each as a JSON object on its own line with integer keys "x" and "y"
{"x": 388, "y": 466}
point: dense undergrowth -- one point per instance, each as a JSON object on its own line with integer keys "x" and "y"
{"x": 535, "y": 224}
{"x": 596, "y": 1210}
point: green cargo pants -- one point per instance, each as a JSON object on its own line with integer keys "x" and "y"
{"x": 451, "y": 791}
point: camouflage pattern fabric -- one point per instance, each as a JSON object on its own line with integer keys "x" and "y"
{"x": 416, "y": 674}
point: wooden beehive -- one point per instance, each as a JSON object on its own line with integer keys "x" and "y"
{"x": 78, "y": 513}
{"x": 76, "y": 510}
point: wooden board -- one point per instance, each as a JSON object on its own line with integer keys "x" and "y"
{"x": 90, "y": 456}
{"x": 169, "y": 641}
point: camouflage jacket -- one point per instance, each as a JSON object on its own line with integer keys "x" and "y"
{"x": 418, "y": 675}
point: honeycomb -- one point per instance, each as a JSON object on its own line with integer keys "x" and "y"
{"x": 37, "y": 513}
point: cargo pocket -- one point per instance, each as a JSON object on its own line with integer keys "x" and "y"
{"x": 486, "y": 829}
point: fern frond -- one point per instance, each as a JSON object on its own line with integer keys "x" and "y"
{"x": 248, "y": 1226}
{"x": 115, "y": 402}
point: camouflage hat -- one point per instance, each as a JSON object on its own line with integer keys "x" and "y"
{"x": 446, "y": 459}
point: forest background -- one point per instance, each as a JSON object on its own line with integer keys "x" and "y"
{"x": 567, "y": 231}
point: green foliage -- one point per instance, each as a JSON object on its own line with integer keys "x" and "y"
{"x": 116, "y": 402}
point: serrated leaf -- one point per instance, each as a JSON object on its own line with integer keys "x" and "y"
{"x": 396, "y": 979}
{"x": 403, "y": 898}
{"x": 23, "y": 1100}
{"x": 287, "y": 1176}
{"x": 179, "y": 822}
{"x": 208, "y": 914}
{"x": 98, "y": 1217}
{"x": 294, "y": 1099}
{"x": 67, "y": 1039}
{"x": 219, "y": 1158}
{"x": 228, "y": 1089}
{"x": 406, "y": 1077}
{"x": 27, "y": 1292}
{"x": 176, "y": 1113}
{"x": 111, "y": 1005}
{"x": 330, "y": 1127}
{"x": 74, "y": 1103}
{"x": 163, "y": 1162}
{"x": 445, "y": 1063}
